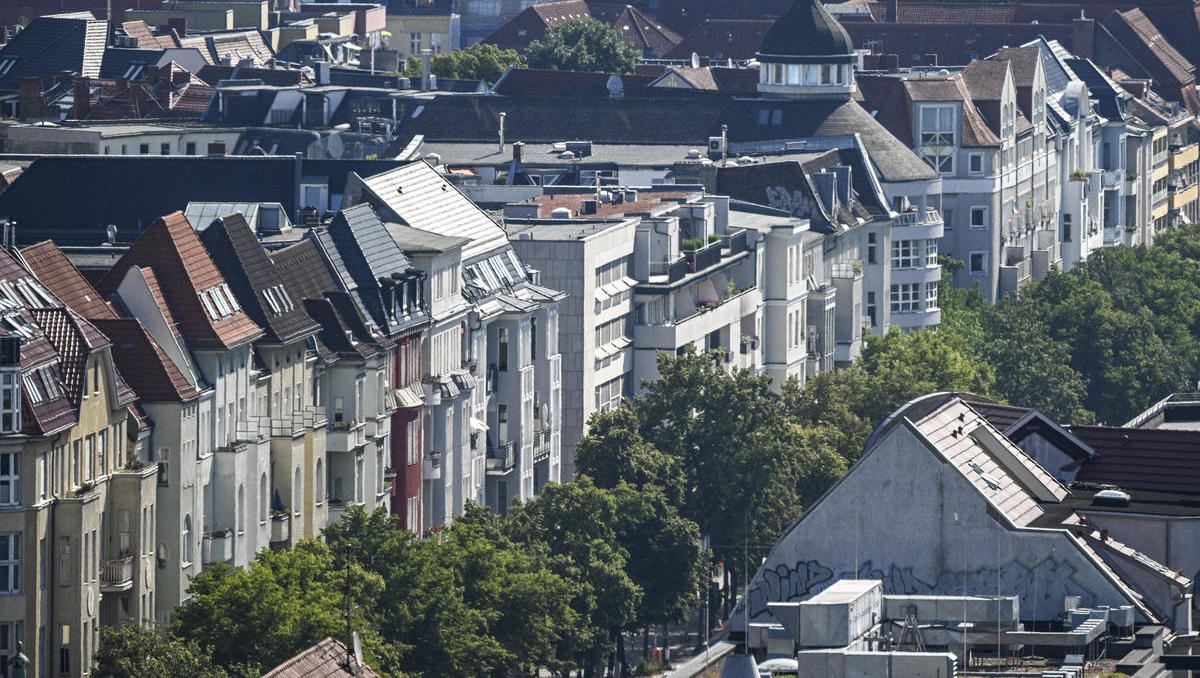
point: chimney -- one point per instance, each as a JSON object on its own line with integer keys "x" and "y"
{"x": 844, "y": 174}
{"x": 30, "y": 99}
{"x": 518, "y": 151}
{"x": 1083, "y": 32}
{"x": 82, "y": 95}
{"x": 178, "y": 25}
{"x": 893, "y": 11}
{"x": 826, "y": 185}
{"x": 180, "y": 77}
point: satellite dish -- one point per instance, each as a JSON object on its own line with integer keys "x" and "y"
{"x": 695, "y": 60}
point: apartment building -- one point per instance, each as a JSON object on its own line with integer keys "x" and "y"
{"x": 382, "y": 284}
{"x": 284, "y": 376}
{"x": 510, "y": 361}
{"x": 216, "y": 480}
{"x": 77, "y": 523}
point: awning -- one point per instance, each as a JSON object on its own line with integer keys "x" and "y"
{"x": 410, "y": 396}
{"x": 477, "y": 425}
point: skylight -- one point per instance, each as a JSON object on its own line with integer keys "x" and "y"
{"x": 6, "y": 65}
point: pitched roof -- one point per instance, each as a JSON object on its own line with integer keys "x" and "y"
{"x": 194, "y": 290}
{"x": 890, "y": 98}
{"x": 146, "y": 38}
{"x": 985, "y": 79}
{"x": 51, "y": 45}
{"x": 1142, "y": 38}
{"x": 638, "y": 30}
{"x": 327, "y": 659}
{"x": 254, "y": 281}
{"x": 1023, "y": 61}
{"x": 519, "y": 82}
{"x": 65, "y": 281}
{"x": 74, "y": 338}
{"x": 723, "y": 39}
{"x": 143, "y": 363}
{"x": 807, "y": 28}
{"x": 531, "y": 23}
{"x": 113, "y": 190}
{"x": 955, "y": 44}
{"x": 417, "y": 195}
{"x": 1162, "y": 460}
{"x": 237, "y": 46}
{"x": 274, "y": 77}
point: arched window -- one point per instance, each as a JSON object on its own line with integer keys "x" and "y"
{"x": 319, "y": 481}
{"x": 187, "y": 539}
{"x": 264, "y": 499}
{"x": 297, "y": 493}
{"x": 241, "y": 508}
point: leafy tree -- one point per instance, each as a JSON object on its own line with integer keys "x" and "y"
{"x": 283, "y": 603}
{"x": 582, "y": 45}
{"x": 614, "y": 451}
{"x": 477, "y": 62}
{"x": 131, "y": 651}
{"x": 573, "y": 527}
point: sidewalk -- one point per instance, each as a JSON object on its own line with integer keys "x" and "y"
{"x": 696, "y": 665}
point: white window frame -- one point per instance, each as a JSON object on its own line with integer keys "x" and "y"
{"x": 10, "y": 478}
{"x": 971, "y": 160}
{"x": 931, "y": 296}
{"x": 905, "y": 297}
{"x": 10, "y": 563}
{"x": 10, "y": 402}
{"x": 979, "y": 209}
{"x": 983, "y": 255}
{"x": 907, "y": 254}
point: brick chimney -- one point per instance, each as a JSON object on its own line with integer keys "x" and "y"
{"x": 82, "y": 94}
{"x": 178, "y": 25}
{"x": 30, "y": 98}
{"x": 893, "y": 11}
{"x": 1083, "y": 36}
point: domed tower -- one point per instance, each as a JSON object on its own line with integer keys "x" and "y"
{"x": 806, "y": 54}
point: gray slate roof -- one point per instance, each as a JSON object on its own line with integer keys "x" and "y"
{"x": 50, "y": 45}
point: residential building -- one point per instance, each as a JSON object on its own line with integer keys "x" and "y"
{"x": 381, "y": 282}
{"x": 510, "y": 361}
{"x": 980, "y": 516}
{"x": 648, "y": 36}
{"x": 426, "y": 25}
{"x": 442, "y": 360}
{"x": 285, "y": 372}
{"x": 77, "y": 533}
{"x": 217, "y": 484}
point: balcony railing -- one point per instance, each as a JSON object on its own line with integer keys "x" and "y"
{"x": 674, "y": 270}
{"x": 116, "y": 575}
{"x": 279, "y": 527}
{"x": 541, "y": 445}
{"x": 1112, "y": 178}
{"x": 736, "y": 242}
{"x": 705, "y": 257}
{"x": 926, "y": 217}
{"x": 502, "y": 459}
{"x": 846, "y": 269}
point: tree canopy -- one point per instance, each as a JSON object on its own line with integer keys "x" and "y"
{"x": 477, "y": 62}
{"x": 584, "y": 44}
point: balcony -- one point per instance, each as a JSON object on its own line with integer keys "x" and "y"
{"x": 345, "y": 436}
{"x": 704, "y": 258}
{"x": 116, "y": 575}
{"x": 541, "y": 445}
{"x": 917, "y": 224}
{"x": 1183, "y": 155}
{"x": 673, "y": 270}
{"x": 280, "y": 524}
{"x": 670, "y": 334}
{"x": 431, "y": 466}
{"x": 736, "y": 242}
{"x": 1111, "y": 178}
{"x": 217, "y": 546}
{"x": 502, "y": 459}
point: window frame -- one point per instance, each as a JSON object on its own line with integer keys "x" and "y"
{"x": 983, "y": 258}
{"x": 982, "y": 210}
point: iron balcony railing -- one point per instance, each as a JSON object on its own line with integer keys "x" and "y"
{"x": 502, "y": 458}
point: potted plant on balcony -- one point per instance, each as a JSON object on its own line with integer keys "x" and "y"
{"x": 689, "y": 247}
{"x": 1079, "y": 174}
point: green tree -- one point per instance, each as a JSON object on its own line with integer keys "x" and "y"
{"x": 131, "y": 651}
{"x": 582, "y": 45}
{"x": 614, "y": 451}
{"x": 573, "y": 527}
{"x": 477, "y": 62}
{"x": 283, "y": 603}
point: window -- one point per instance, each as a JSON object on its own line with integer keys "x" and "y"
{"x": 64, "y": 650}
{"x": 977, "y": 263}
{"x": 948, "y": 218}
{"x": 533, "y": 333}
{"x": 978, "y": 217}
{"x": 1066, "y": 228}
{"x": 10, "y": 403}
{"x": 870, "y": 248}
{"x": 102, "y": 455}
{"x": 76, "y": 447}
{"x": 10, "y": 563}
{"x": 319, "y": 479}
{"x": 64, "y": 561}
{"x": 241, "y": 509}
{"x": 10, "y": 478}
{"x": 502, "y": 358}
{"x": 906, "y": 254}
{"x": 871, "y": 308}
{"x": 931, "y": 296}
{"x": 190, "y": 148}
{"x": 937, "y": 137}
{"x": 144, "y": 149}
{"x": 187, "y": 540}
{"x": 905, "y": 297}
{"x": 414, "y": 44}
{"x": 975, "y": 163}
{"x": 164, "y": 149}
{"x": 264, "y": 500}
{"x": 164, "y": 477}
{"x": 931, "y": 253}
{"x": 89, "y": 471}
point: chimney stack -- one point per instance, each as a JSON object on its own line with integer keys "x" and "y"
{"x": 30, "y": 98}
{"x": 82, "y": 95}
{"x": 518, "y": 151}
{"x": 893, "y": 11}
{"x": 1083, "y": 31}
{"x": 178, "y": 25}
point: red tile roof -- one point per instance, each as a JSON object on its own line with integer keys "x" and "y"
{"x": 327, "y": 659}
{"x": 65, "y": 281}
{"x": 146, "y": 38}
{"x": 723, "y": 39}
{"x": 190, "y": 284}
{"x": 647, "y": 35}
{"x": 1142, "y": 459}
{"x": 532, "y": 22}
{"x": 143, "y": 363}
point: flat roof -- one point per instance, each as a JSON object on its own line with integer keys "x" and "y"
{"x": 643, "y": 155}
{"x": 844, "y": 591}
{"x": 562, "y": 229}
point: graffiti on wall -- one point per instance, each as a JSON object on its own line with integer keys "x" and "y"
{"x": 1041, "y": 585}
{"x": 795, "y": 202}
